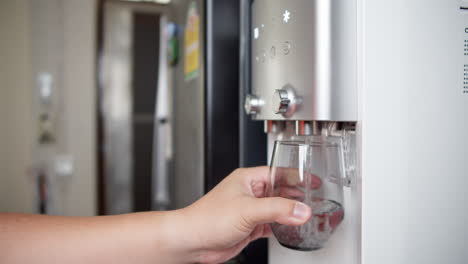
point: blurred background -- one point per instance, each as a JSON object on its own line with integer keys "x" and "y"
{"x": 111, "y": 107}
{"x": 48, "y": 107}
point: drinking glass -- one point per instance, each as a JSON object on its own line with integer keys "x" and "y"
{"x": 310, "y": 170}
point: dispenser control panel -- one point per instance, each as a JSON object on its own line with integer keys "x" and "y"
{"x": 304, "y": 60}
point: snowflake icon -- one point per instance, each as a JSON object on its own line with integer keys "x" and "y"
{"x": 286, "y": 16}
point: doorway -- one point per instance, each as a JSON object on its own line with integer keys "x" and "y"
{"x": 130, "y": 129}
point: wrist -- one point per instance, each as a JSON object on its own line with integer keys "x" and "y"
{"x": 178, "y": 236}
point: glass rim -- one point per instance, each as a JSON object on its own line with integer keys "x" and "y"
{"x": 324, "y": 141}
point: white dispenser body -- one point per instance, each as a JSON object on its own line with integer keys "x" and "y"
{"x": 412, "y": 128}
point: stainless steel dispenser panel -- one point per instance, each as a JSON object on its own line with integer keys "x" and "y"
{"x": 307, "y": 50}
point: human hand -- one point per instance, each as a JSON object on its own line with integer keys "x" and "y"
{"x": 235, "y": 213}
{"x": 212, "y": 230}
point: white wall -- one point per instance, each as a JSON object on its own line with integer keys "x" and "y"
{"x": 15, "y": 107}
{"x": 17, "y": 111}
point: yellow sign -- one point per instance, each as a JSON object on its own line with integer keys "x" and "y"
{"x": 192, "y": 43}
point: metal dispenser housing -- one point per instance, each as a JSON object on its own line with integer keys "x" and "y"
{"x": 303, "y": 60}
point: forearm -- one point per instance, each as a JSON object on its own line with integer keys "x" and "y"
{"x": 134, "y": 238}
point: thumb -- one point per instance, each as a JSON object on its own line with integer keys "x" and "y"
{"x": 276, "y": 209}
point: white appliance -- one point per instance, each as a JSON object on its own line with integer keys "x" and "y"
{"x": 398, "y": 72}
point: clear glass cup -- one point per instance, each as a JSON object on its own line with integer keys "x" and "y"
{"x": 310, "y": 171}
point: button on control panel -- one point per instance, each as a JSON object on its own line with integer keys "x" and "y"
{"x": 284, "y": 101}
{"x": 252, "y": 105}
{"x": 281, "y": 101}
{"x": 286, "y": 47}
{"x": 273, "y": 52}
